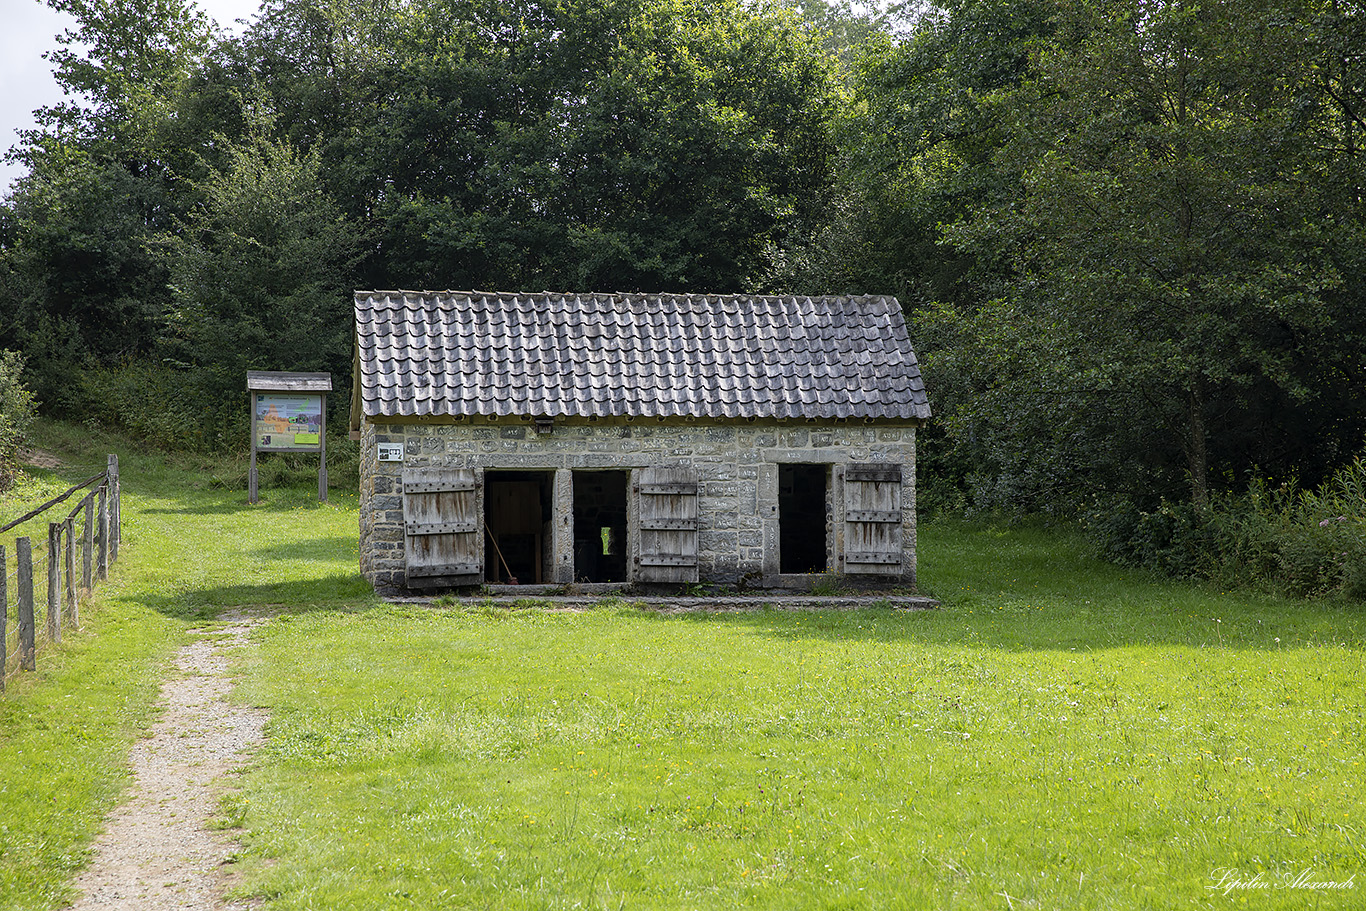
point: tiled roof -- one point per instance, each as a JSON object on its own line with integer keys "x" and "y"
{"x": 447, "y": 353}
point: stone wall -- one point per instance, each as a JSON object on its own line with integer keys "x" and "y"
{"x": 736, "y": 464}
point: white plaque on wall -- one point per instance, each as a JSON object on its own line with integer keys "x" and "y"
{"x": 390, "y": 452}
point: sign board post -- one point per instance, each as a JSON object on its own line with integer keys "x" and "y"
{"x": 288, "y": 414}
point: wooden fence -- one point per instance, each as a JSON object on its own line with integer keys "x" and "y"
{"x": 81, "y": 546}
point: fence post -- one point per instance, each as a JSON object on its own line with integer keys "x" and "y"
{"x": 322, "y": 453}
{"x": 103, "y": 570}
{"x": 88, "y": 553}
{"x": 116, "y": 508}
{"x": 4, "y": 616}
{"x": 69, "y": 554}
{"x": 54, "y": 582}
{"x": 28, "y": 659}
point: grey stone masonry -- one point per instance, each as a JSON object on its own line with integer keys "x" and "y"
{"x": 737, "y": 465}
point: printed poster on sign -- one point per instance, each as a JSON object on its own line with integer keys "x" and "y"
{"x": 288, "y": 421}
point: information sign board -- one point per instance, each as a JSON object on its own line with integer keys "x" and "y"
{"x": 288, "y": 422}
{"x": 288, "y": 414}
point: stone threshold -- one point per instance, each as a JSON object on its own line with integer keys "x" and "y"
{"x": 553, "y": 598}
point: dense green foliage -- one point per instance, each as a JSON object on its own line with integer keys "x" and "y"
{"x": 1130, "y": 235}
{"x": 213, "y": 202}
{"x": 16, "y": 413}
{"x": 1306, "y": 543}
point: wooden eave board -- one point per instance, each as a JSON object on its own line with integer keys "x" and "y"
{"x": 278, "y": 381}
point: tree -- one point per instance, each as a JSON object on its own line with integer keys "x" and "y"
{"x": 918, "y": 141}
{"x": 77, "y": 230}
{"x": 627, "y": 144}
{"x": 260, "y": 271}
{"x": 123, "y": 65}
{"x": 1167, "y": 246}
{"x": 632, "y": 144}
{"x": 694, "y": 149}
{"x": 83, "y": 289}
{"x": 1128, "y": 230}
{"x": 16, "y": 413}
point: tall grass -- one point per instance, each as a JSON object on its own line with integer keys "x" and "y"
{"x": 1279, "y": 537}
{"x": 1309, "y": 542}
{"x": 16, "y": 413}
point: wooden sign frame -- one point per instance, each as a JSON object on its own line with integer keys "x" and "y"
{"x": 288, "y": 414}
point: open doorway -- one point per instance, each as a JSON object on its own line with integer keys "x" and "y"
{"x": 802, "y": 504}
{"x": 600, "y": 526}
{"x": 517, "y": 516}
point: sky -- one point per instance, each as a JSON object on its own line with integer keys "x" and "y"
{"x": 28, "y": 29}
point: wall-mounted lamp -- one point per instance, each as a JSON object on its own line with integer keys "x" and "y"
{"x": 545, "y": 424}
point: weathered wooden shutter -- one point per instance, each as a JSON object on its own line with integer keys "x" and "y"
{"x": 443, "y": 524}
{"x": 872, "y": 518}
{"x": 667, "y": 506}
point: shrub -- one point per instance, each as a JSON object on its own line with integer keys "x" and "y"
{"x": 185, "y": 411}
{"x": 173, "y": 409}
{"x": 1173, "y": 538}
{"x": 1305, "y": 543}
{"x": 1247, "y": 528}
{"x": 17, "y": 407}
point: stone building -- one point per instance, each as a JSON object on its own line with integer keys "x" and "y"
{"x": 625, "y": 438}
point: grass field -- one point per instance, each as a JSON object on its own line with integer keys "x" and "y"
{"x": 190, "y": 546}
{"x": 1060, "y": 734}
{"x": 1065, "y": 735}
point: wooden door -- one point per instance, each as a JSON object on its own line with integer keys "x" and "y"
{"x": 666, "y": 501}
{"x": 443, "y": 524}
{"x": 872, "y": 518}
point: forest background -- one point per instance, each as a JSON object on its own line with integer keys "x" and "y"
{"x": 1129, "y": 235}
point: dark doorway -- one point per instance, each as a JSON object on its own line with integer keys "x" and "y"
{"x": 517, "y": 514}
{"x": 801, "y": 518}
{"x": 600, "y": 526}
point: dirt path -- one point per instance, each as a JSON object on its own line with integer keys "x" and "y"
{"x": 156, "y": 853}
{"x": 39, "y": 458}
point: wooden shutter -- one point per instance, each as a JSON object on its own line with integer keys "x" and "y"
{"x": 443, "y": 525}
{"x": 667, "y": 506}
{"x": 872, "y": 518}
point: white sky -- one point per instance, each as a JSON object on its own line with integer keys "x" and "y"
{"x": 28, "y": 29}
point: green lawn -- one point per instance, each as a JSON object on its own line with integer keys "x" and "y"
{"x": 1093, "y": 748}
{"x": 190, "y": 546}
{"x": 1060, "y": 734}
